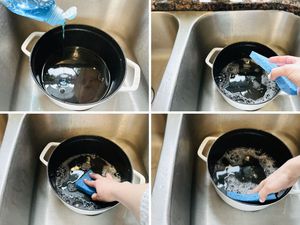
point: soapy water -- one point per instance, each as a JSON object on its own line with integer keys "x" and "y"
{"x": 242, "y": 169}
{"x": 71, "y": 170}
{"x": 76, "y": 75}
{"x": 243, "y": 81}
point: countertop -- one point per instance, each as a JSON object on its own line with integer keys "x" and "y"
{"x": 292, "y": 6}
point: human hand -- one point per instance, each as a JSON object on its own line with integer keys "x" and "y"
{"x": 105, "y": 187}
{"x": 284, "y": 177}
{"x": 289, "y": 66}
{"x": 109, "y": 190}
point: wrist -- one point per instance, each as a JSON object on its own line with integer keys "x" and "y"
{"x": 294, "y": 167}
{"x": 118, "y": 189}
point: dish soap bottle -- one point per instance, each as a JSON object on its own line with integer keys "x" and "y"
{"x": 41, "y": 10}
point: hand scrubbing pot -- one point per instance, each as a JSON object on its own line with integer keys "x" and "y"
{"x": 77, "y": 156}
{"x": 244, "y": 139}
{"x": 283, "y": 82}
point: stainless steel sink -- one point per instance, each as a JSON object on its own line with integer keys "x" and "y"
{"x": 3, "y": 123}
{"x": 183, "y": 193}
{"x": 25, "y": 195}
{"x": 130, "y": 30}
{"x": 164, "y": 30}
{"x": 157, "y": 130}
{"x": 187, "y": 83}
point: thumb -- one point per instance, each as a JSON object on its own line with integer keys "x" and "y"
{"x": 95, "y": 197}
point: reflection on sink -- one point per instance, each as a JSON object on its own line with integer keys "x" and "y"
{"x": 157, "y": 129}
{"x": 3, "y": 123}
{"x": 26, "y": 197}
{"x": 191, "y": 84}
{"x": 19, "y": 91}
{"x": 164, "y": 30}
{"x": 183, "y": 185}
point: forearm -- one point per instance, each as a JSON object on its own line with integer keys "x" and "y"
{"x": 130, "y": 196}
{"x": 294, "y": 167}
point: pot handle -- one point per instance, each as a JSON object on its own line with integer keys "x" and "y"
{"x": 203, "y": 145}
{"x": 28, "y": 40}
{"x": 45, "y": 151}
{"x": 136, "y": 77}
{"x": 141, "y": 178}
{"x": 210, "y": 55}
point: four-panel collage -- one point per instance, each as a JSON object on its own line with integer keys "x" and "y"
{"x": 149, "y": 112}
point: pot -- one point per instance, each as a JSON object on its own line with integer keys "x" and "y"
{"x": 232, "y": 53}
{"x": 80, "y": 70}
{"x": 76, "y": 147}
{"x": 246, "y": 138}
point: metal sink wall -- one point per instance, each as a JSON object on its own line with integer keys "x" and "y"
{"x": 25, "y": 195}
{"x": 3, "y": 123}
{"x": 19, "y": 91}
{"x": 183, "y": 193}
{"x": 164, "y": 30}
{"x": 187, "y": 83}
{"x": 158, "y": 124}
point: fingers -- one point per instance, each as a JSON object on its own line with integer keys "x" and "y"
{"x": 283, "y": 60}
{"x": 95, "y": 176}
{"x": 90, "y": 183}
{"x": 263, "y": 190}
{"x": 282, "y": 71}
{"x": 258, "y": 187}
{"x": 264, "y": 193}
{"x": 95, "y": 197}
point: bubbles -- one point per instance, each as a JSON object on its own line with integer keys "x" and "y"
{"x": 71, "y": 170}
{"x": 241, "y": 169}
{"x": 245, "y": 82}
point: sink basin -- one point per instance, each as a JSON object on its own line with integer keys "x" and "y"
{"x": 157, "y": 130}
{"x": 26, "y": 197}
{"x": 183, "y": 193}
{"x": 187, "y": 83}
{"x": 130, "y": 30}
{"x": 164, "y": 30}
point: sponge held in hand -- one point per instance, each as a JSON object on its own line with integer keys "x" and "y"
{"x": 80, "y": 185}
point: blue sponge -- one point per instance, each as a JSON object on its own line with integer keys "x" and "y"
{"x": 80, "y": 185}
{"x": 283, "y": 83}
{"x": 249, "y": 197}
